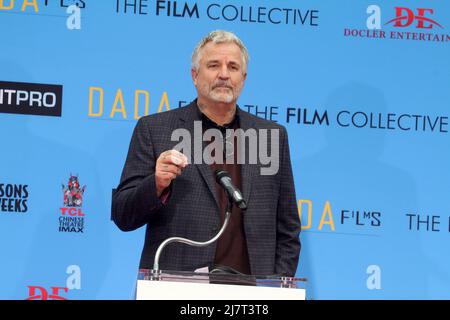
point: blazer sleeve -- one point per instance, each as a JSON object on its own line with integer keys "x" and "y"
{"x": 135, "y": 199}
{"x": 288, "y": 222}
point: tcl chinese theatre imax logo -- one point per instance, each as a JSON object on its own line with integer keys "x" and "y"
{"x": 72, "y": 217}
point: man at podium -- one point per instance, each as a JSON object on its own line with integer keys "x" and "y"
{"x": 169, "y": 181}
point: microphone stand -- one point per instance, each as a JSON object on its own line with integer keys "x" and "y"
{"x": 156, "y": 271}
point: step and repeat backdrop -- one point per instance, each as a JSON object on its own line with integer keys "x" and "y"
{"x": 363, "y": 88}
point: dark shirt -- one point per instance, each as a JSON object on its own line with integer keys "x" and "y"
{"x": 231, "y": 250}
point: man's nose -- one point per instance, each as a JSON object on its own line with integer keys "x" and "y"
{"x": 224, "y": 73}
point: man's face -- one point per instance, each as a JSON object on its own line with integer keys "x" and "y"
{"x": 221, "y": 75}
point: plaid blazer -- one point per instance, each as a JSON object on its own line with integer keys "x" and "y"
{"x": 271, "y": 221}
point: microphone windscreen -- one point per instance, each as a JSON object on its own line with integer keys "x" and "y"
{"x": 219, "y": 173}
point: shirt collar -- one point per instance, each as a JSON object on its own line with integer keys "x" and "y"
{"x": 211, "y": 124}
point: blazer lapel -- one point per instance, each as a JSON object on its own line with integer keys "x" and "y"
{"x": 188, "y": 119}
{"x": 248, "y": 171}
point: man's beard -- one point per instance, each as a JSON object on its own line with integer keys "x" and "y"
{"x": 224, "y": 94}
{"x": 225, "y": 97}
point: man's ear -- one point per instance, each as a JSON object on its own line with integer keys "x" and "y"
{"x": 194, "y": 75}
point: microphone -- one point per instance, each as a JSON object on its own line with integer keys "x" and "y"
{"x": 235, "y": 196}
{"x": 224, "y": 180}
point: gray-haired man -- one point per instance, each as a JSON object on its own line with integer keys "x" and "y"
{"x": 173, "y": 195}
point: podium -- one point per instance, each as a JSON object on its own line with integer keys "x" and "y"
{"x": 180, "y": 285}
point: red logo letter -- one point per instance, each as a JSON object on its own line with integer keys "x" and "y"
{"x": 55, "y": 295}
{"x": 409, "y": 17}
{"x": 421, "y": 18}
{"x": 32, "y": 293}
